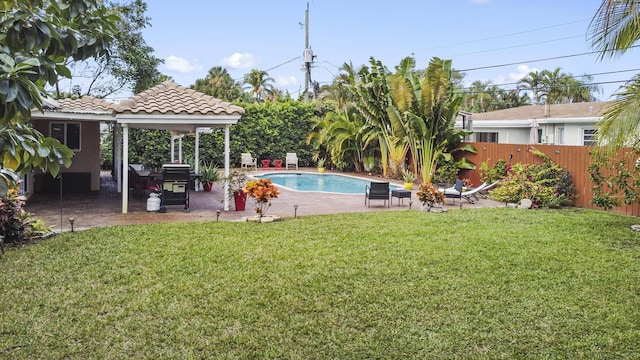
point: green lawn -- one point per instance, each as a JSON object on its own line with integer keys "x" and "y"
{"x": 476, "y": 283}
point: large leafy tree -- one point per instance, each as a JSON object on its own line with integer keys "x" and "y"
{"x": 132, "y": 66}
{"x": 219, "y": 84}
{"x": 371, "y": 97}
{"x": 36, "y": 38}
{"x": 424, "y": 110}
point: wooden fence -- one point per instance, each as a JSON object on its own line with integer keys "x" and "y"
{"x": 575, "y": 159}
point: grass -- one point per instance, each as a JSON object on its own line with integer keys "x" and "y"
{"x": 476, "y": 283}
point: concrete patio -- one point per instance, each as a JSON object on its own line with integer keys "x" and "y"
{"x": 104, "y": 208}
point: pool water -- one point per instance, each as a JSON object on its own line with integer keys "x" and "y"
{"x": 330, "y": 183}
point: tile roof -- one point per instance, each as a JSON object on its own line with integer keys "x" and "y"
{"x": 171, "y": 98}
{"x": 575, "y": 110}
{"x": 85, "y": 105}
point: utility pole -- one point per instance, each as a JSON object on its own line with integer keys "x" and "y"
{"x": 307, "y": 55}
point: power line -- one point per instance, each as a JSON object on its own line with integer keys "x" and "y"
{"x": 272, "y": 68}
{"x": 537, "y": 60}
{"x": 583, "y": 75}
{"x": 516, "y": 46}
{"x": 502, "y": 36}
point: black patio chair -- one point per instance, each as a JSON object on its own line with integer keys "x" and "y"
{"x": 377, "y": 191}
{"x": 455, "y": 192}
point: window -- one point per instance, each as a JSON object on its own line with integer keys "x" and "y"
{"x": 67, "y": 133}
{"x": 487, "y": 137}
{"x": 560, "y": 136}
{"x": 588, "y": 137}
{"x": 539, "y": 136}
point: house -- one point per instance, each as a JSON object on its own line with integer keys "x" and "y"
{"x": 558, "y": 124}
{"x": 76, "y": 123}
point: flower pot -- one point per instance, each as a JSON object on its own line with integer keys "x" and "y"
{"x": 321, "y": 170}
{"x": 408, "y": 185}
{"x": 207, "y": 186}
{"x": 240, "y": 199}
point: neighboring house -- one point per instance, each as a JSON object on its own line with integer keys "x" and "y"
{"x": 76, "y": 123}
{"x": 559, "y": 124}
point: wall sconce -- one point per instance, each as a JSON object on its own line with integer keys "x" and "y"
{"x": 557, "y": 151}
{"x": 518, "y": 149}
{"x": 217, "y": 215}
{"x": 295, "y": 211}
{"x": 71, "y": 220}
{"x": 484, "y": 148}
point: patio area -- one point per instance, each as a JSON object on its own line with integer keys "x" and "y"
{"x": 104, "y": 208}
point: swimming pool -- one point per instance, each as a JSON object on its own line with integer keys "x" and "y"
{"x": 330, "y": 183}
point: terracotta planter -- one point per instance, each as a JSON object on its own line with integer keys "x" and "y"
{"x": 240, "y": 199}
{"x": 207, "y": 186}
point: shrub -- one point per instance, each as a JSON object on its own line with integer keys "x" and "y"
{"x": 491, "y": 175}
{"x": 546, "y": 184}
{"x": 429, "y": 195}
{"x": 261, "y": 192}
{"x": 446, "y": 173}
{"x": 616, "y": 179}
{"x": 17, "y": 225}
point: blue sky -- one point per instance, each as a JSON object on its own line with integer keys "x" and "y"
{"x": 268, "y": 35}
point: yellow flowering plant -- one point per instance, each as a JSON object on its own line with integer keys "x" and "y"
{"x": 261, "y": 192}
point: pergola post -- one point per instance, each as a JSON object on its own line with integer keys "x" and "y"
{"x": 226, "y": 167}
{"x": 117, "y": 159}
{"x": 125, "y": 168}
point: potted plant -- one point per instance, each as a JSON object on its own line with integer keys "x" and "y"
{"x": 408, "y": 177}
{"x": 237, "y": 179}
{"x": 209, "y": 174}
{"x": 320, "y": 165}
{"x": 261, "y": 191}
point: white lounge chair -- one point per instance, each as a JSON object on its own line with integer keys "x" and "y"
{"x": 456, "y": 192}
{"x": 485, "y": 192}
{"x": 247, "y": 161}
{"x": 291, "y": 159}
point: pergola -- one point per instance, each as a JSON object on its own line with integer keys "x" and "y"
{"x": 169, "y": 106}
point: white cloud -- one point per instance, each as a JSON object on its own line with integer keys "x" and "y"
{"x": 286, "y": 81}
{"x": 182, "y": 65}
{"x": 240, "y": 61}
{"x": 522, "y": 71}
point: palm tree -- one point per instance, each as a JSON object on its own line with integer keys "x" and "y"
{"x": 613, "y": 30}
{"x": 260, "y": 84}
{"x": 534, "y": 82}
{"x": 219, "y": 84}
